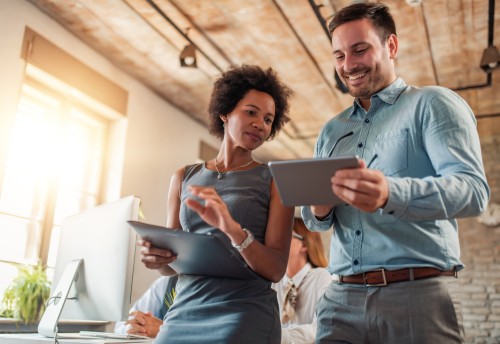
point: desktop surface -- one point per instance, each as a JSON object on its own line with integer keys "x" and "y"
{"x": 9, "y": 325}
{"x": 35, "y": 338}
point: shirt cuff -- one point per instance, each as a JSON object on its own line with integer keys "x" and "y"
{"x": 313, "y": 223}
{"x": 398, "y": 199}
{"x": 120, "y": 327}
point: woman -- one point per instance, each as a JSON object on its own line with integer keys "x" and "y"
{"x": 234, "y": 197}
{"x": 305, "y": 282}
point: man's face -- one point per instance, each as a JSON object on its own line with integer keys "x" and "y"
{"x": 364, "y": 63}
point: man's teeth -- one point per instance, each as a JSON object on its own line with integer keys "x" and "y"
{"x": 357, "y": 76}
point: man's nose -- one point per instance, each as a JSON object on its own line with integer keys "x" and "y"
{"x": 349, "y": 63}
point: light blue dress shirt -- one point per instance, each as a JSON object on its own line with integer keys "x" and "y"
{"x": 427, "y": 146}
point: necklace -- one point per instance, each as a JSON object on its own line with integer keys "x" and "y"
{"x": 221, "y": 174}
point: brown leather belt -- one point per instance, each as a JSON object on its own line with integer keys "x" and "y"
{"x": 384, "y": 277}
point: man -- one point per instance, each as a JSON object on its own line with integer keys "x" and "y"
{"x": 146, "y": 314}
{"x": 395, "y": 251}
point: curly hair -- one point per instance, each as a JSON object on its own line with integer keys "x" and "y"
{"x": 235, "y": 83}
{"x": 378, "y": 14}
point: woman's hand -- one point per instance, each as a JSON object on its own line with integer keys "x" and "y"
{"x": 215, "y": 211}
{"x": 154, "y": 257}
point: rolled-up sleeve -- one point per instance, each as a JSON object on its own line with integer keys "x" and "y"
{"x": 313, "y": 223}
{"x": 459, "y": 188}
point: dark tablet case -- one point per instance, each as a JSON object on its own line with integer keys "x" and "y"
{"x": 197, "y": 254}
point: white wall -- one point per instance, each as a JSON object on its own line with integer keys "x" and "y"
{"x": 156, "y": 140}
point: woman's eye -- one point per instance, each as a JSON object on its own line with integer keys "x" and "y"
{"x": 269, "y": 121}
{"x": 251, "y": 112}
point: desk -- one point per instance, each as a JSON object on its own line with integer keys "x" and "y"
{"x": 8, "y": 325}
{"x": 35, "y": 338}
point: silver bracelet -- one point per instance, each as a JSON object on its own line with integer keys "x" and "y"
{"x": 248, "y": 240}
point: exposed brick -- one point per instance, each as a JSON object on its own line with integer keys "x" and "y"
{"x": 472, "y": 288}
{"x": 487, "y": 326}
{"x": 474, "y": 317}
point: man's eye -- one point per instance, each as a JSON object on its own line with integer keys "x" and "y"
{"x": 359, "y": 52}
{"x": 339, "y": 57}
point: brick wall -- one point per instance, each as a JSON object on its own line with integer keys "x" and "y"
{"x": 480, "y": 247}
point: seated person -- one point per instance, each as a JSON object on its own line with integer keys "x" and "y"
{"x": 305, "y": 281}
{"x": 146, "y": 314}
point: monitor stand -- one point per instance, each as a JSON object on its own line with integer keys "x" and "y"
{"x": 48, "y": 324}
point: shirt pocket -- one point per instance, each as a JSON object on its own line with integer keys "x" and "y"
{"x": 392, "y": 152}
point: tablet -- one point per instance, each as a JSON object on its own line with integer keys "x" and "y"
{"x": 197, "y": 254}
{"x": 307, "y": 181}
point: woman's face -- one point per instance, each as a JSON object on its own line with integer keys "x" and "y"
{"x": 249, "y": 123}
{"x": 297, "y": 249}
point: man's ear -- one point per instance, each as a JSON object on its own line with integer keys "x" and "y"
{"x": 392, "y": 45}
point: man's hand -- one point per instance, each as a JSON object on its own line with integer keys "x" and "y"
{"x": 321, "y": 211}
{"x": 144, "y": 324}
{"x": 361, "y": 187}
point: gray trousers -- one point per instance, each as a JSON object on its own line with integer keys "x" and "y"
{"x": 426, "y": 311}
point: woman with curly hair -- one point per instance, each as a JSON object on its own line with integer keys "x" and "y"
{"x": 232, "y": 196}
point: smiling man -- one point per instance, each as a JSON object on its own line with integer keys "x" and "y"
{"x": 394, "y": 252}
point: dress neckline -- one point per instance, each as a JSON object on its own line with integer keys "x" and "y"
{"x": 204, "y": 164}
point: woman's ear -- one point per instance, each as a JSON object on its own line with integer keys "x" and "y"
{"x": 303, "y": 248}
{"x": 223, "y": 118}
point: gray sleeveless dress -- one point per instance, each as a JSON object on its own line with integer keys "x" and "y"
{"x": 223, "y": 310}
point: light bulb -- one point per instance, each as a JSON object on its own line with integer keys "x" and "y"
{"x": 493, "y": 64}
{"x": 189, "y": 60}
{"x": 414, "y": 2}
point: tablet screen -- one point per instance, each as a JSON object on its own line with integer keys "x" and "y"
{"x": 197, "y": 254}
{"x": 307, "y": 181}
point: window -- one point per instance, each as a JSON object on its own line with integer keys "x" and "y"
{"x": 54, "y": 168}
{"x": 65, "y": 154}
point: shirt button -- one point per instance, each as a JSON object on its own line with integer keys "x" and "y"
{"x": 391, "y": 212}
{"x": 356, "y": 262}
{"x": 367, "y": 120}
{"x": 358, "y": 232}
{"x": 360, "y": 145}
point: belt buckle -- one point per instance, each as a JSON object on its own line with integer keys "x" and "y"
{"x": 383, "y": 284}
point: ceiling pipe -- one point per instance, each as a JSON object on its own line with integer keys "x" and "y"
{"x": 491, "y": 30}
{"x": 183, "y": 34}
{"x": 203, "y": 33}
{"x": 322, "y": 21}
{"x": 489, "y": 115}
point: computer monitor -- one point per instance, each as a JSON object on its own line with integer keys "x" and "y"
{"x": 94, "y": 266}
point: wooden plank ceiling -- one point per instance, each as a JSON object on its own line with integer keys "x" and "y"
{"x": 441, "y": 42}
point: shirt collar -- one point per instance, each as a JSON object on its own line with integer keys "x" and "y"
{"x": 299, "y": 276}
{"x": 388, "y": 95}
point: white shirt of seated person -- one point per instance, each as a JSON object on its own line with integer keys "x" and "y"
{"x": 311, "y": 284}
